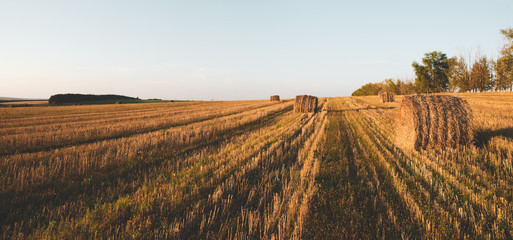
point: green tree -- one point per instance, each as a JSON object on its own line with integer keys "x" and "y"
{"x": 408, "y": 87}
{"x": 398, "y": 87}
{"x": 390, "y": 86}
{"x": 452, "y": 86}
{"x": 504, "y": 64}
{"x": 481, "y": 75}
{"x": 504, "y": 76}
{"x": 459, "y": 76}
{"x": 368, "y": 89}
{"x": 432, "y": 76}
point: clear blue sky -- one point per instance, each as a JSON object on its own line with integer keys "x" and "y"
{"x": 195, "y": 49}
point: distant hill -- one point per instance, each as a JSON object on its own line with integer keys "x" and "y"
{"x": 81, "y": 98}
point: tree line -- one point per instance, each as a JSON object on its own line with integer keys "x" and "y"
{"x": 438, "y": 73}
{"x": 76, "y": 98}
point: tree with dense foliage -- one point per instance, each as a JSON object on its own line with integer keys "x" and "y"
{"x": 76, "y": 98}
{"x": 390, "y": 86}
{"x": 458, "y": 75}
{"x": 452, "y": 74}
{"x": 407, "y": 87}
{"x": 432, "y": 76}
{"x": 481, "y": 75}
{"x": 504, "y": 78}
{"x": 368, "y": 89}
{"x": 398, "y": 87}
{"x": 504, "y": 64}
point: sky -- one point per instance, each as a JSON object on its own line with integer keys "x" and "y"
{"x": 232, "y": 50}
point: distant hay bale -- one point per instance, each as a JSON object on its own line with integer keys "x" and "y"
{"x": 171, "y": 100}
{"x": 118, "y": 102}
{"x": 305, "y": 104}
{"x": 434, "y": 122}
{"x": 386, "y": 96}
{"x": 275, "y": 98}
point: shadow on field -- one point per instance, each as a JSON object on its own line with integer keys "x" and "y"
{"x": 359, "y": 109}
{"x": 484, "y": 136}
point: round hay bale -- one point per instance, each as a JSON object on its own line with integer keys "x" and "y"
{"x": 305, "y": 104}
{"x": 434, "y": 122}
{"x": 118, "y": 102}
{"x": 275, "y": 98}
{"x": 386, "y": 96}
{"x": 390, "y": 97}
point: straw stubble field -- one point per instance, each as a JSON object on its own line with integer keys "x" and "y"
{"x": 371, "y": 189}
{"x": 168, "y": 170}
{"x": 250, "y": 170}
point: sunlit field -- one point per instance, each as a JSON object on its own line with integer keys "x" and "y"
{"x": 164, "y": 170}
{"x": 370, "y": 189}
{"x": 250, "y": 170}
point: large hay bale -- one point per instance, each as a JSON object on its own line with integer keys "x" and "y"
{"x": 275, "y": 98}
{"x": 434, "y": 122}
{"x": 305, "y": 104}
{"x": 386, "y": 96}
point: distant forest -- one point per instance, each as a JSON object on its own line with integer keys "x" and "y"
{"x": 438, "y": 73}
{"x": 76, "y": 98}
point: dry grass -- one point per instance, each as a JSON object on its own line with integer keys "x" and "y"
{"x": 253, "y": 170}
{"x": 434, "y": 122}
{"x": 371, "y": 189}
{"x": 244, "y": 171}
{"x": 305, "y": 104}
{"x": 71, "y": 125}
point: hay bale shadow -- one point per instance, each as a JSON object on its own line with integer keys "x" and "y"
{"x": 483, "y": 137}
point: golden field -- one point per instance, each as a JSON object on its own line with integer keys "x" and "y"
{"x": 250, "y": 170}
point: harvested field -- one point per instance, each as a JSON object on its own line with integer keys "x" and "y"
{"x": 369, "y": 188}
{"x": 241, "y": 169}
{"x": 252, "y": 170}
